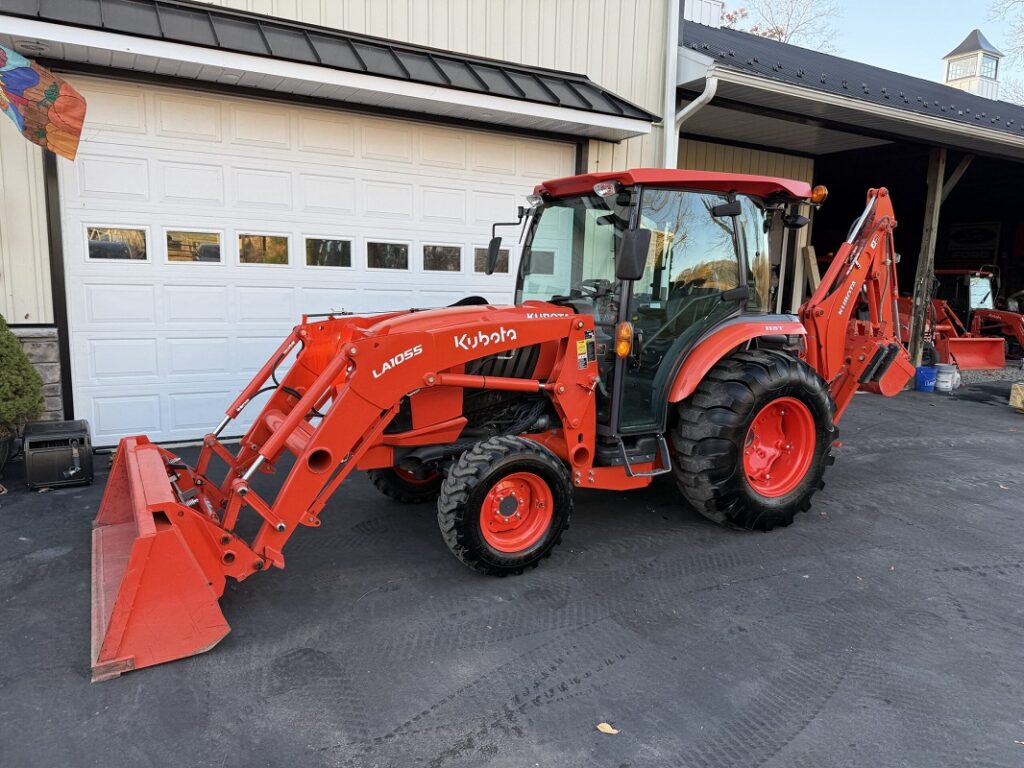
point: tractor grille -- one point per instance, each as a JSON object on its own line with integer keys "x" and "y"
{"x": 516, "y": 364}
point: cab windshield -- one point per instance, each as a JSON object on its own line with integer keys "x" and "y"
{"x": 570, "y": 253}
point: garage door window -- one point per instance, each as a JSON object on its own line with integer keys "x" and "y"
{"x": 442, "y": 258}
{"x": 328, "y": 252}
{"x": 480, "y": 261}
{"x": 387, "y": 255}
{"x": 185, "y": 246}
{"x": 117, "y": 243}
{"x": 262, "y": 249}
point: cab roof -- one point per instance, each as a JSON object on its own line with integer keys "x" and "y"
{"x": 741, "y": 183}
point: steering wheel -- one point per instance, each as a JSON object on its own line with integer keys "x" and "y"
{"x": 593, "y": 288}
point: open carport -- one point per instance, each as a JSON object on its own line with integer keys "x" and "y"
{"x": 885, "y": 627}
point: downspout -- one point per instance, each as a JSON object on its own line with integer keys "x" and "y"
{"x": 710, "y": 89}
{"x": 670, "y": 141}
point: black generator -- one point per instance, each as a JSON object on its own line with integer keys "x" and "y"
{"x": 57, "y": 453}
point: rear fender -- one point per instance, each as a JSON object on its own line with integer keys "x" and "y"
{"x": 703, "y": 357}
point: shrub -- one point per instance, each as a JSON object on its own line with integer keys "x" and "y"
{"x": 21, "y": 388}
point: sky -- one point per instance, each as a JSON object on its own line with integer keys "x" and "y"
{"x": 912, "y": 36}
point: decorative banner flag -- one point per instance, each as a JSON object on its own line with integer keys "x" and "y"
{"x": 47, "y": 111}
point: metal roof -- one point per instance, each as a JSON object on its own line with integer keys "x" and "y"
{"x": 754, "y": 55}
{"x": 199, "y": 24}
{"x": 973, "y": 43}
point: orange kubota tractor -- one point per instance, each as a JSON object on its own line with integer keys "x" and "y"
{"x": 641, "y": 342}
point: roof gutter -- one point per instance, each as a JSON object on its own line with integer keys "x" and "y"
{"x": 953, "y": 131}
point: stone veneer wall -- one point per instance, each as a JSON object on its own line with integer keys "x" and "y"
{"x": 43, "y": 350}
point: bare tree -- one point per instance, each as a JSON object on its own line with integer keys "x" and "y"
{"x": 808, "y": 23}
{"x": 1013, "y": 12}
{"x": 1012, "y": 91}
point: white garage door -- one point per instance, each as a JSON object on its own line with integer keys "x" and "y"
{"x": 198, "y": 228}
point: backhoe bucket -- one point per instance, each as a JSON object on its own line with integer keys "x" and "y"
{"x": 973, "y": 353}
{"x": 151, "y": 600}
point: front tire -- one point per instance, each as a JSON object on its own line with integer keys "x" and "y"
{"x": 504, "y": 505}
{"x": 754, "y": 440}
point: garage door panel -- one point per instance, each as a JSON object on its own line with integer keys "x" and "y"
{"x": 206, "y": 304}
{"x": 265, "y": 305}
{"x": 107, "y": 304}
{"x": 443, "y": 204}
{"x": 113, "y": 416}
{"x": 114, "y": 358}
{"x": 191, "y": 183}
{"x": 193, "y": 119}
{"x": 114, "y": 178}
{"x": 334, "y": 136}
{"x": 259, "y": 189}
{"x": 254, "y": 127}
{"x": 162, "y": 346}
{"x": 388, "y": 199}
{"x": 197, "y": 358}
{"x": 443, "y": 149}
{"x": 494, "y": 156}
{"x": 195, "y": 413}
{"x": 385, "y": 141}
{"x": 331, "y": 194}
{"x": 489, "y": 207}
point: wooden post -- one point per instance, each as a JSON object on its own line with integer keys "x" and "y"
{"x": 926, "y": 259}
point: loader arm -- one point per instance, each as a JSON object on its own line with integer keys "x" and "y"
{"x": 167, "y": 536}
{"x": 853, "y": 334}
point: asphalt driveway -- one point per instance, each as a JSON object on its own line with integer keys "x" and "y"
{"x": 884, "y": 628}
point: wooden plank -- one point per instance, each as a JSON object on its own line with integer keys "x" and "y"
{"x": 951, "y": 182}
{"x": 811, "y": 268}
{"x": 926, "y": 259}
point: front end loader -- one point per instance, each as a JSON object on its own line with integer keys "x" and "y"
{"x": 641, "y": 342}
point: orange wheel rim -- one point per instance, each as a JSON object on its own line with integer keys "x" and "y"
{"x": 516, "y": 512}
{"x": 779, "y": 447}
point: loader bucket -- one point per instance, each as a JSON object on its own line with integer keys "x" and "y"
{"x": 973, "y": 353}
{"x": 151, "y": 600}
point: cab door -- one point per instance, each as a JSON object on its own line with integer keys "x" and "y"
{"x": 696, "y": 259}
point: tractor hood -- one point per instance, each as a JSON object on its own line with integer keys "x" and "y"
{"x": 468, "y": 317}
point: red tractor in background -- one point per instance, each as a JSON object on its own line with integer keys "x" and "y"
{"x": 972, "y": 295}
{"x": 641, "y": 342}
{"x": 963, "y": 327}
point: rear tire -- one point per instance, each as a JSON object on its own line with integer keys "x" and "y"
{"x": 504, "y": 505}
{"x": 407, "y": 487}
{"x": 754, "y": 440}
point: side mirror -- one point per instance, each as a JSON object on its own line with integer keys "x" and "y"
{"x": 632, "y": 257}
{"x": 493, "y": 249}
{"x": 795, "y": 221}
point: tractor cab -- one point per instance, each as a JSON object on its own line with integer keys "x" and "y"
{"x": 658, "y": 263}
{"x": 966, "y": 290}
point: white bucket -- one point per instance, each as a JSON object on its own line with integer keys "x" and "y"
{"x": 944, "y": 375}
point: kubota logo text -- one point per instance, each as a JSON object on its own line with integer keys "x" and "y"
{"x": 543, "y": 315}
{"x": 846, "y": 298}
{"x": 398, "y": 359}
{"x": 481, "y": 339}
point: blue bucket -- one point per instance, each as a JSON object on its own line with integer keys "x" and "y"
{"x": 924, "y": 379}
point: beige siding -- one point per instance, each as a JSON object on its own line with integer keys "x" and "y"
{"x": 619, "y": 44}
{"x": 24, "y": 265}
{"x": 705, "y": 156}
